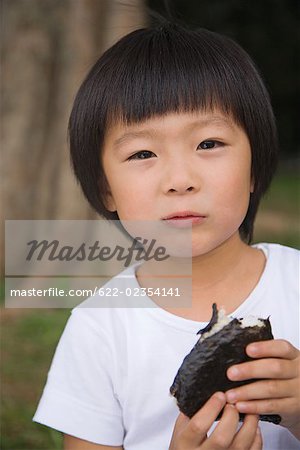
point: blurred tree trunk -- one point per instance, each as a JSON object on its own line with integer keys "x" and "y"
{"x": 47, "y": 48}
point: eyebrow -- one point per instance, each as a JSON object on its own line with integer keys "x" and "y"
{"x": 130, "y": 135}
{"x": 151, "y": 133}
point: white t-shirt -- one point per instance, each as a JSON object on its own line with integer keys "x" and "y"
{"x": 113, "y": 367}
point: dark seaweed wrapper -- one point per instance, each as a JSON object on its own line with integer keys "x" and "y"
{"x": 203, "y": 371}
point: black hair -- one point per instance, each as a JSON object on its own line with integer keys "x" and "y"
{"x": 163, "y": 69}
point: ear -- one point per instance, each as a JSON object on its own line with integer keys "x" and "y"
{"x": 107, "y": 197}
{"x": 252, "y": 185}
{"x": 109, "y": 202}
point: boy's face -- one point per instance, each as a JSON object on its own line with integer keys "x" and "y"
{"x": 198, "y": 163}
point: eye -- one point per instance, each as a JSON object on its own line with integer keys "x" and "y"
{"x": 143, "y": 154}
{"x": 209, "y": 144}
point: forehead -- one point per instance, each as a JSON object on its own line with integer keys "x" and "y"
{"x": 179, "y": 122}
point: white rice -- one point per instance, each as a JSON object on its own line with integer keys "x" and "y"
{"x": 223, "y": 320}
{"x": 251, "y": 321}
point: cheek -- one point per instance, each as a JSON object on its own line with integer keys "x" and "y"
{"x": 131, "y": 198}
{"x": 234, "y": 195}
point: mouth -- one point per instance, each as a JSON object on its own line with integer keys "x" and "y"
{"x": 184, "y": 219}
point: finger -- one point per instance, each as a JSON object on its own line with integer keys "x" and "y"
{"x": 278, "y": 348}
{"x": 200, "y": 423}
{"x": 258, "y": 441}
{"x": 182, "y": 420}
{"x": 246, "y": 436}
{"x": 180, "y": 425}
{"x": 262, "y": 390}
{"x": 263, "y": 368}
{"x": 283, "y": 406}
{"x": 224, "y": 433}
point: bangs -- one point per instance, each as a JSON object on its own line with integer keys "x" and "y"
{"x": 172, "y": 70}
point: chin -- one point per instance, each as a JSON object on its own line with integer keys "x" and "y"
{"x": 203, "y": 246}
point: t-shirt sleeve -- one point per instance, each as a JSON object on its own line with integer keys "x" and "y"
{"x": 79, "y": 397}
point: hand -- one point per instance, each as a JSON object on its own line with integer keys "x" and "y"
{"x": 191, "y": 434}
{"x": 279, "y": 362}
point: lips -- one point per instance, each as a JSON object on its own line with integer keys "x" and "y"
{"x": 183, "y": 215}
{"x": 184, "y": 219}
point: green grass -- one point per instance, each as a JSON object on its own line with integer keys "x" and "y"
{"x": 28, "y": 342}
{"x": 284, "y": 195}
{"x": 278, "y": 218}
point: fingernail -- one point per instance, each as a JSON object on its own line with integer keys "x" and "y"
{"x": 231, "y": 396}
{"x": 233, "y": 372}
{"x": 231, "y": 409}
{"x": 252, "y": 348}
{"x": 220, "y": 396}
{"x": 242, "y": 407}
{"x": 230, "y": 406}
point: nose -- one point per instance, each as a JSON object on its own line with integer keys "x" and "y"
{"x": 181, "y": 179}
{"x": 182, "y": 190}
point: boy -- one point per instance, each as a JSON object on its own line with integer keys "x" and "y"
{"x": 176, "y": 127}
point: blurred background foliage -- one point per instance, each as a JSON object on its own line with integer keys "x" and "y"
{"x": 47, "y": 46}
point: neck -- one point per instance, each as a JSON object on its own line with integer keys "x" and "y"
{"x": 220, "y": 263}
{"x": 226, "y": 276}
